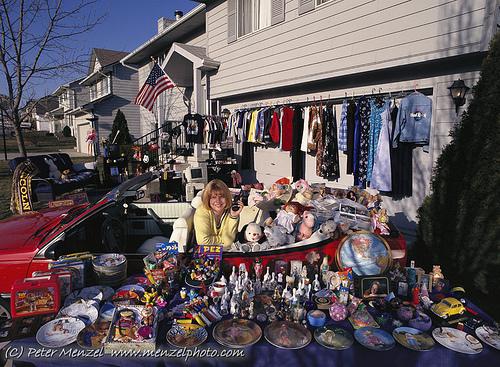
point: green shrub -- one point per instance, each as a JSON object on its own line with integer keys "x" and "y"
{"x": 66, "y": 131}
{"x": 459, "y": 223}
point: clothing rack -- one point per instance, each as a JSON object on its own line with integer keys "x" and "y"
{"x": 336, "y": 100}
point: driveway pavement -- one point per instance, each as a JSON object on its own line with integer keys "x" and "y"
{"x": 71, "y": 152}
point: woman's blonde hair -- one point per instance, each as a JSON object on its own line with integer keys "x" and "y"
{"x": 216, "y": 186}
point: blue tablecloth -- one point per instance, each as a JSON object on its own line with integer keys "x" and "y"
{"x": 264, "y": 354}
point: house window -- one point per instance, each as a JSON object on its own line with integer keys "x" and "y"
{"x": 253, "y": 15}
{"x": 100, "y": 89}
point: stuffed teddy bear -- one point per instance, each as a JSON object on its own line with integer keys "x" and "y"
{"x": 328, "y": 228}
{"x": 250, "y": 238}
{"x": 306, "y": 227}
{"x": 53, "y": 171}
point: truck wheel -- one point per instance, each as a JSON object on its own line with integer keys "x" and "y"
{"x": 4, "y": 310}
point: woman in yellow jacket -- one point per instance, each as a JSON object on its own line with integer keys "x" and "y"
{"x": 215, "y": 220}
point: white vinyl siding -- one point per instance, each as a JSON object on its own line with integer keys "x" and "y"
{"x": 341, "y": 38}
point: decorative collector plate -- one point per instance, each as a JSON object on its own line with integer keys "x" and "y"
{"x": 332, "y": 337}
{"x": 489, "y": 335}
{"x": 81, "y": 310}
{"x": 287, "y": 335}
{"x": 59, "y": 332}
{"x": 237, "y": 333}
{"x": 457, "y": 340}
{"x": 93, "y": 336}
{"x": 413, "y": 339}
{"x": 186, "y": 335}
{"x": 374, "y": 339}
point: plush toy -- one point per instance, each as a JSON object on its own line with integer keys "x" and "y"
{"x": 306, "y": 227}
{"x": 53, "y": 171}
{"x": 277, "y": 236}
{"x": 250, "y": 238}
{"x": 253, "y": 232}
{"x": 301, "y": 185}
{"x": 65, "y": 175}
{"x": 328, "y": 228}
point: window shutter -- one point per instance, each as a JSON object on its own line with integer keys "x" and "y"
{"x": 277, "y": 11}
{"x": 305, "y": 6}
{"x": 231, "y": 21}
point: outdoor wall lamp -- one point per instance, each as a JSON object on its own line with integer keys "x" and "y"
{"x": 458, "y": 90}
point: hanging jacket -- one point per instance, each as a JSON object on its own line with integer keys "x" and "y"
{"x": 413, "y": 123}
{"x": 274, "y": 131}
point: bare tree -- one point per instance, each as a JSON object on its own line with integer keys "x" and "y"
{"x": 38, "y": 42}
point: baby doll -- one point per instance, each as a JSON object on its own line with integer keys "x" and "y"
{"x": 306, "y": 227}
{"x": 288, "y": 217}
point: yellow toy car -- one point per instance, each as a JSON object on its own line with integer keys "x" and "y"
{"x": 448, "y": 307}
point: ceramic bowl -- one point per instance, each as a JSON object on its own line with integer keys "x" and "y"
{"x": 316, "y": 318}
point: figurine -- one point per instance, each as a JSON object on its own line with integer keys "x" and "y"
{"x": 224, "y": 307}
{"x": 241, "y": 269}
{"x": 415, "y": 295}
{"x": 316, "y": 284}
{"x": 267, "y": 276}
{"x": 276, "y": 295}
{"x": 223, "y": 280}
{"x": 149, "y": 296}
{"x": 303, "y": 274}
{"x": 257, "y": 267}
{"x": 324, "y": 267}
{"x": 308, "y": 291}
{"x": 273, "y": 283}
{"x": 147, "y": 316}
{"x": 294, "y": 300}
{"x": 234, "y": 306}
{"x": 126, "y": 326}
{"x": 436, "y": 274}
{"x": 258, "y": 286}
{"x": 251, "y": 311}
{"x": 233, "y": 279}
{"x": 280, "y": 278}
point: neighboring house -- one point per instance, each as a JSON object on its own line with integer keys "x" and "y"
{"x": 108, "y": 86}
{"x": 69, "y": 95}
{"x": 261, "y": 53}
{"x": 40, "y": 117}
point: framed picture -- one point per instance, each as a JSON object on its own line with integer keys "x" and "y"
{"x": 425, "y": 278}
{"x": 374, "y": 287}
{"x": 280, "y": 266}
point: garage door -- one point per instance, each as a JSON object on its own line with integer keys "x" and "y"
{"x": 82, "y": 137}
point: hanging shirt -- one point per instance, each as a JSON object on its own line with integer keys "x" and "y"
{"x": 381, "y": 178}
{"x": 314, "y": 130}
{"x": 287, "y": 129}
{"x": 305, "y": 131}
{"x": 414, "y": 121}
{"x": 253, "y": 126}
{"x": 193, "y": 126}
{"x": 274, "y": 131}
{"x": 343, "y": 128}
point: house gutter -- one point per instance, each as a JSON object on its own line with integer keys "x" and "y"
{"x": 174, "y": 25}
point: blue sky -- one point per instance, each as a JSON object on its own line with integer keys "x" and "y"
{"x": 127, "y": 25}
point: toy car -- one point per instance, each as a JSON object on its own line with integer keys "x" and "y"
{"x": 448, "y": 307}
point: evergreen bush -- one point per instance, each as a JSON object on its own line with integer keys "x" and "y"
{"x": 459, "y": 223}
{"x": 120, "y": 124}
{"x": 66, "y": 131}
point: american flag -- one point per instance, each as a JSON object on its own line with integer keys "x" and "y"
{"x": 156, "y": 83}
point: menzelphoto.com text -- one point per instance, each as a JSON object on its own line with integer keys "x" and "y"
{"x": 12, "y": 352}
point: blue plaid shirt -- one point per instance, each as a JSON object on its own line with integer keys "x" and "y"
{"x": 343, "y": 128}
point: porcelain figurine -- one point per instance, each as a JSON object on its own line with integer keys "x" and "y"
{"x": 273, "y": 283}
{"x": 308, "y": 291}
{"x": 316, "y": 284}
{"x": 257, "y": 267}
{"x": 324, "y": 267}
{"x": 251, "y": 311}
{"x": 233, "y": 278}
{"x": 276, "y": 295}
{"x": 267, "y": 275}
{"x": 258, "y": 286}
{"x": 226, "y": 299}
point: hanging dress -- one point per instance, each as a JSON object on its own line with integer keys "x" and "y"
{"x": 381, "y": 174}
{"x": 305, "y": 131}
{"x": 351, "y": 122}
{"x": 376, "y": 111}
{"x": 330, "y": 168}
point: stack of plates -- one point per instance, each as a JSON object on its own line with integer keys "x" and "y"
{"x": 110, "y": 269}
